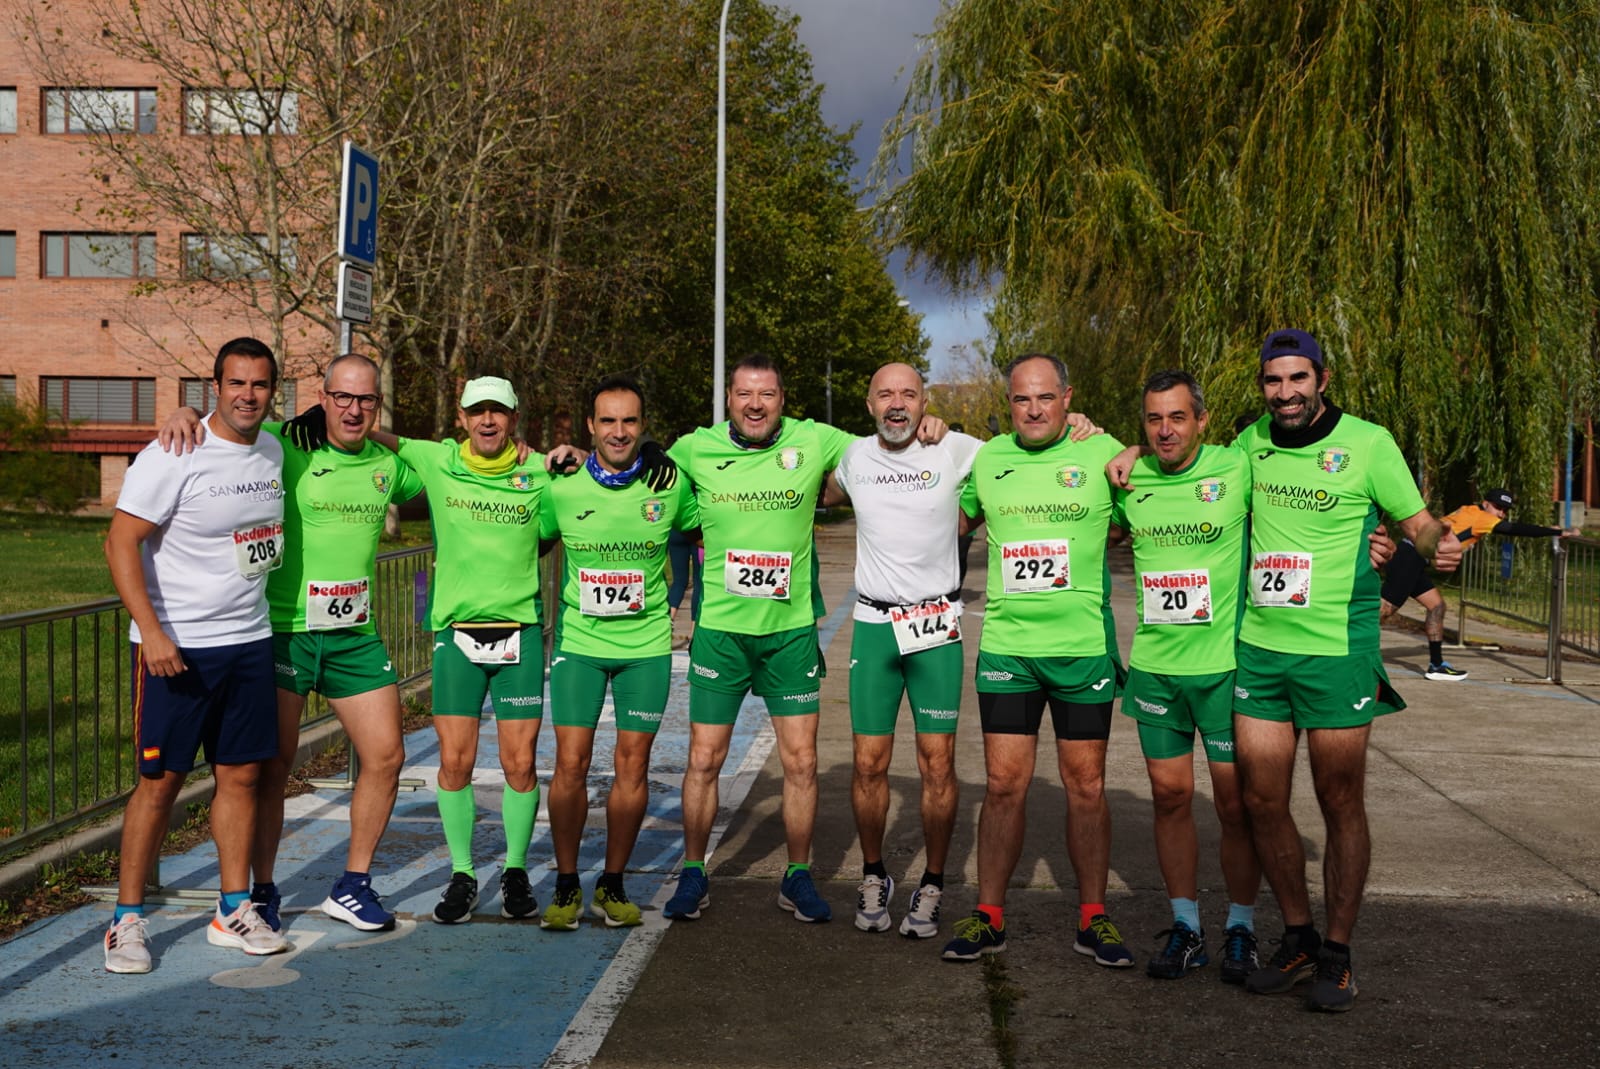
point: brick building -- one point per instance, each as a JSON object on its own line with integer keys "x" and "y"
{"x": 84, "y": 327}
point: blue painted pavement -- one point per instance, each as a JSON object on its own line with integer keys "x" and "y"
{"x": 492, "y": 992}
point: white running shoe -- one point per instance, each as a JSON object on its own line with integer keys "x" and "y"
{"x": 872, "y": 903}
{"x": 922, "y": 918}
{"x": 125, "y": 945}
{"x": 243, "y": 929}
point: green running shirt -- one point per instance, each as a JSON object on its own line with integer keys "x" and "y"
{"x": 485, "y": 533}
{"x": 1188, "y": 529}
{"x": 614, "y": 594}
{"x": 1312, "y": 589}
{"x": 332, "y": 521}
{"x": 1047, "y": 512}
{"x": 757, "y": 507}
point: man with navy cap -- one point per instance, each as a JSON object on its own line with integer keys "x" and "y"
{"x": 1407, "y": 575}
{"x": 1308, "y": 656}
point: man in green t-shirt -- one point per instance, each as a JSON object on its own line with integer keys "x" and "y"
{"x": 613, "y": 629}
{"x": 756, "y": 479}
{"x": 323, "y": 636}
{"x": 1187, "y": 512}
{"x": 1048, "y": 639}
{"x": 1308, "y": 656}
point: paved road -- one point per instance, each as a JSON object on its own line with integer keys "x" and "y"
{"x": 1476, "y": 946}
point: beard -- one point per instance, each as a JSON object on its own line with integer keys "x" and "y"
{"x": 892, "y": 434}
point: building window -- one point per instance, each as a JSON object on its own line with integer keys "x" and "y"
{"x": 8, "y": 254}
{"x": 8, "y": 389}
{"x": 8, "y": 110}
{"x": 243, "y": 256}
{"x": 100, "y": 400}
{"x": 99, "y": 255}
{"x": 240, "y": 111}
{"x": 99, "y": 111}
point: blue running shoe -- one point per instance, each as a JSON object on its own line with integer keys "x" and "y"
{"x": 357, "y": 904}
{"x": 1103, "y": 943}
{"x": 1239, "y": 958}
{"x": 693, "y": 895}
{"x": 268, "y": 901}
{"x": 1185, "y": 950}
{"x": 798, "y": 895}
{"x": 975, "y": 937}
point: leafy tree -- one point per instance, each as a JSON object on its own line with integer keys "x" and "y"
{"x": 1160, "y": 184}
{"x": 32, "y": 476}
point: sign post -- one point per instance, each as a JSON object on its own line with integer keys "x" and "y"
{"x": 358, "y": 240}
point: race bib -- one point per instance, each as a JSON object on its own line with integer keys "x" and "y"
{"x": 1177, "y": 597}
{"x": 258, "y": 549}
{"x": 610, "y": 593}
{"x": 1280, "y": 580}
{"x": 330, "y": 605}
{"x": 492, "y": 644}
{"x": 1031, "y": 566}
{"x": 751, "y": 573}
{"x": 925, "y": 626}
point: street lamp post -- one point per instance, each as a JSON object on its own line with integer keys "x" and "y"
{"x": 719, "y": 350}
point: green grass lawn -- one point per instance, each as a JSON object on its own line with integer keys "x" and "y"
{"x": 46, "y": 561}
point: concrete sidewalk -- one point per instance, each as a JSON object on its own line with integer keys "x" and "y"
{"x": 1477, "y": 943}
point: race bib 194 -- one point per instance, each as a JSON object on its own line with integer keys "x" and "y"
{"x": 610, "y": 593}
{"x": 1031, "y": 566}
{"x": 925, "y": 626}
{"x": 1177, "y": 597}
{"x": 340, "y": 604}
{"x": 753, "y": 573}
{"x": 1280, "y": 580}
{"x": 258, "y": 550}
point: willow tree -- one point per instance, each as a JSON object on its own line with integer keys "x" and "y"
{"x": 1159, "y": 184}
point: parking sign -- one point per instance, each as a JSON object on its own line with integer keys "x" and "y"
{"x": 358, "y": 208}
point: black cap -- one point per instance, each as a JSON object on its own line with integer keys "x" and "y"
{"x": 1500, "y": 499}
{"x": 1291, "y": 343}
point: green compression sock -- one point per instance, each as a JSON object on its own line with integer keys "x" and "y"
{"x": 518, "y": 811}
{"x": 458, "y": 811}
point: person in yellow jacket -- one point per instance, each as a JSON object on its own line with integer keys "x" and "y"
{"x": 1407, "y": 575}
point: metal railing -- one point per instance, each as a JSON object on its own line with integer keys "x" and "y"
{"x": 66, "y": 722}
{"x": 1548, "y": 583}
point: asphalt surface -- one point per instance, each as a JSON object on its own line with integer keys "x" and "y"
{"x": 1476, "y": 946}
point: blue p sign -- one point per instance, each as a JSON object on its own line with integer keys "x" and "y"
{"x": 358, "y": 207}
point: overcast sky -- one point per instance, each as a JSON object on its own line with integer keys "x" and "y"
{"x": 862, "y": 51}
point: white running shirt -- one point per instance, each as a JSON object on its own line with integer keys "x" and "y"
{"x": 907, "y": 516}
{"x": 218, "y": 511}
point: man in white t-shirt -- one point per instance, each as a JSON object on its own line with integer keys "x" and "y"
{"x": 907, "y": 631}
{"x": 190, "y": 546}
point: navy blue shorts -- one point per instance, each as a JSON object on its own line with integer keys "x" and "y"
{"x": 225, "y": 702}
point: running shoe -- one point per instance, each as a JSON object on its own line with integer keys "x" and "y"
{"x": 922, "y": 917}
{"x": 126, "y": 945}
{"x": 1334, "y": 989}
{"x": 268, "y": 901}
{"x": 614, "y": 908}
{"x": 1444, "y": 673}
{"x": 516, "y": 895}
{"x": 1103, "y": 942}
{"x": 975, "y": 937}
{"x": 1185, "y": 950}
{"x": 1239, "y": 958}
{"x": 460, "y": 895}
{"x": 798, "y": 895}
{"x": 357, "y": 904}
{"x": 692, "y": 896}
{"x": 872, "y": 903}
{"x": 243, "y": 929}
{"x": 561, "y": 914}
{"x": 1289, "y": 965}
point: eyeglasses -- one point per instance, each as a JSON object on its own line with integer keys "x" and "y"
{"x": 367, "y": 401}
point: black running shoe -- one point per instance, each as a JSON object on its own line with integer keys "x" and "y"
{"x": 1289, "y": 966}
{"x": 1239, "y": 958}
{"x": 1334, "y": 989}
{"x": 516, "y": 896}
{"x": 1184, "y": 950}
{"x": 455, "y": 905}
